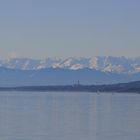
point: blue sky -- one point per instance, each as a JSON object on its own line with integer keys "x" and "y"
{"x": 65, "y": 28}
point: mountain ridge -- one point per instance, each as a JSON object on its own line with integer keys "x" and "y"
{"x": 100, "y": 63}
{"x": 96, "y": 70}
{"x": 59, "y": 76}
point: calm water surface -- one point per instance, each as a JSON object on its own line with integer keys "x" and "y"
{"x": 69, "y": 116}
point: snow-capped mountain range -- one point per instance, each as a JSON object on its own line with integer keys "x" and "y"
{"x": 103, "y": 64}
{"x": 96, "y": 70}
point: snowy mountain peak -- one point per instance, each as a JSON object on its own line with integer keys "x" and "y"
{"x": 104, "y": 64}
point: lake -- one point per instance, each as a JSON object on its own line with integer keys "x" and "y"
{"x": 69, "y": 116}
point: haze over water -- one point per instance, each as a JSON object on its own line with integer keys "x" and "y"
{"x": 69, "y": 116}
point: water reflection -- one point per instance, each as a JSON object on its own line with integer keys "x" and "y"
{"x": 69, "y": 116}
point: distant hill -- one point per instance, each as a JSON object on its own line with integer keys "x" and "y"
{"x": 132, "y": 87}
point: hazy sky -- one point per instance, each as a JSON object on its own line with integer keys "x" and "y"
{"x": 64, "y": 28}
